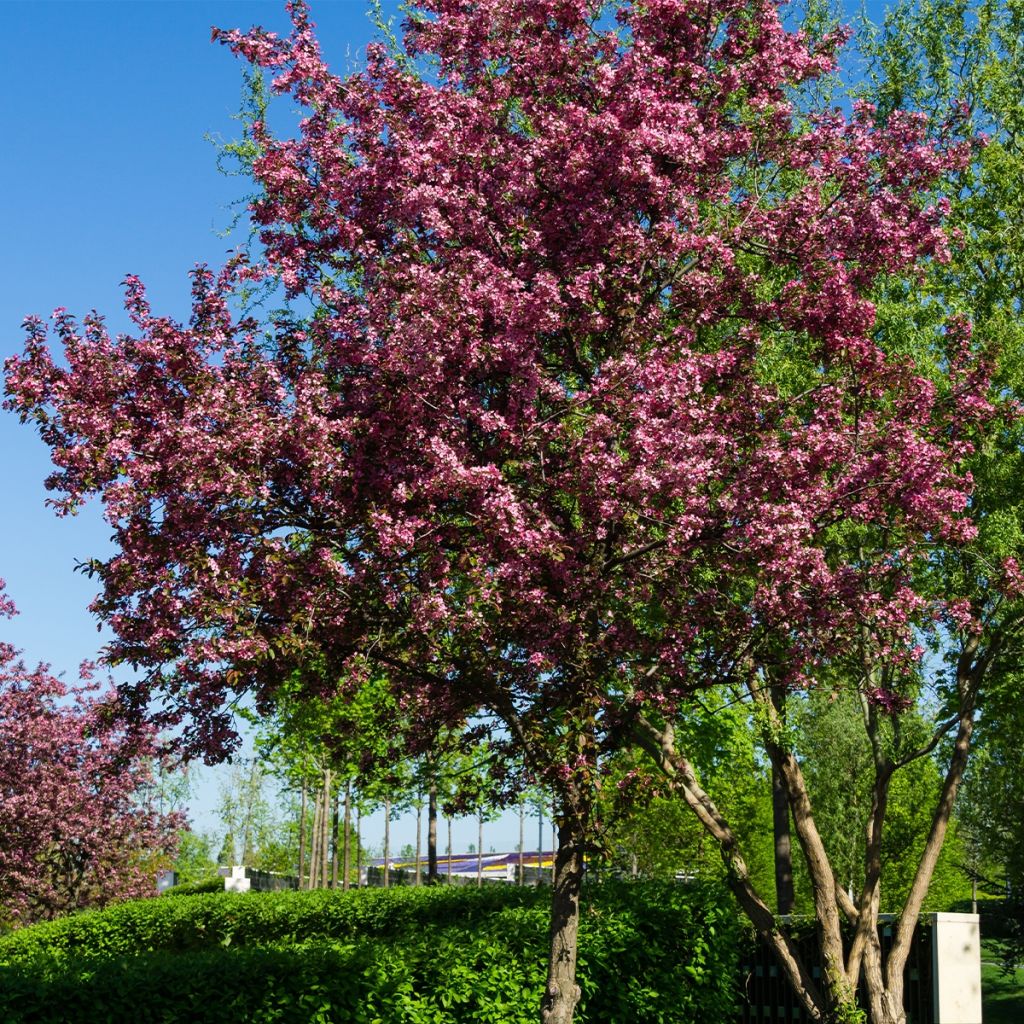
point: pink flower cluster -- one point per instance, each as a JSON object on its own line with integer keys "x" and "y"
{"x": 76, "y": 829}
{"x": 590, "y": 398}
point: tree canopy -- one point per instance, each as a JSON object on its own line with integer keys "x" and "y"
{"x": 578, "y": 407}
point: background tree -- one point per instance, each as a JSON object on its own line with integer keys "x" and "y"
{"x": 649, "y": 831}
{"x": 255, "y": 834}
{"x": 76, "y": 827}
{"x": 931, "y": 56}
{"x": 194, "y": 859}
{"x": 328, "y": 746}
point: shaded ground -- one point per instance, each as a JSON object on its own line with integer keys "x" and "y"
{"x": 1002, "y": 995}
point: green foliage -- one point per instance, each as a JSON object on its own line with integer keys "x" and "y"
{"x": 202, "y": 885}
{"x": 837, "y": 764}
{"x": 194, "y": 861}
{"x": 649, "y": 952}
{"x": 658, "y": 835}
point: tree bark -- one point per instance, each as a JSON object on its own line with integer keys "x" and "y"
{"x": 659, "y": 744}
{"x": 554, "y": 842}
{"x": 432, "y": 875}
{"x": 248, "y": 853}
{"x": 419, "y": 832}
{"x": 325, "y": 829}
{"x": 346, "y": 854}
{"x": 314, "y": 853}
{"x": 887, "y": 1004}
{"x": 522, "y": 840}
{"x": 480, "y": 848}
{"x": 335, "y": 839}
{"x": 784, "y": 896}
{"x": 302, "y": 833}
{"x": 561, "y": 993}
{"x": 359, "y": 845}
{"x": 387, "y": 842}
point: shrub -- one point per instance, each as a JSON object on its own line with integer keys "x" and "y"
{"x": 203, "y": 885}
{"x": 663, "y": 954}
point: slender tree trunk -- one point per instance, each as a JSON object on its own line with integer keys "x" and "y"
{"x": 346, "y": 855}
{"x": 314, "y": 858}
{"x": 432, "y": 834}
{"x": 335, "y": 838}
{"x": 479, "y": 848}
{"x": 325, "y": 828}
{"x": 540, "y": 842}
{"x": 359, "y": 845}
{"x": 554, "y": 842}
{"x": 522, "y": 841}
{"x": 248, "y": 853}
{"x": 659, "y": 743}
{"x": 302, "y": 833}
{"x": 784, "y": 896}
{"x": 561, "y": 993}
{"x": 449, "y": 851}
{"x": 387, "y": 842}
{"x": 887, "y": 1005}
{"x": 419, "y": 831}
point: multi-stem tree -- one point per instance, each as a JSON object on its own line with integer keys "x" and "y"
{"x": 532, "y": 452}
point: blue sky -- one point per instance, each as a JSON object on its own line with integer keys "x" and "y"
{"x": 106, "y": 171}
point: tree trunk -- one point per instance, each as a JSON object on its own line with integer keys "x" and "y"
{"x": 449, "y": 850}
{"x": 325, "y": 828}
{"x": 387, "y": 842}
{"x": 887, "y": 1004}
{"x": 419, "y": 832}
{"x": 480, "y": 848}
{"x": 314, "y": 853}
{"x": 359, "y": 845}
{"x": 554, "y": 842}
{"x": 346, "y": 854}
{"x": 540, "y": 842}
{"x": 522, "y": 840}
{"x": 432, "y": 834}
{"x": 248, "y": 853}
{"x": 561, "y": 993}
{"x": 659, "y": 743}
{"x": 335, "y": 839}
{"x": 784, "y": 896}
{"x": 302, "y": 833}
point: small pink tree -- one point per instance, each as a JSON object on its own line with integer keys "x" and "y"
{"x": 74, "y": 832}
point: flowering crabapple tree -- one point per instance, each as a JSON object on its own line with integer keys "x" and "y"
{"x": 576, "y": 412}
{"x": 74, "y": 830}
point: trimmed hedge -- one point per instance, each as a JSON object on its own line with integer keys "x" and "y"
{"x": 215, "y": 884}
{"x": 658, "y": 954}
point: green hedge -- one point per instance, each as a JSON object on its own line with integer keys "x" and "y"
{"x": 658, "y": 954}
{"x": 214, "y": 884}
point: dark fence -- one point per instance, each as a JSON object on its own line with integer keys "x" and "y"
{"x": 769, "y": 997}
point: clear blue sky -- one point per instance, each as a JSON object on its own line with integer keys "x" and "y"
{"x": 105, "y": 171}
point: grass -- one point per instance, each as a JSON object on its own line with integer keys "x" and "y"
{"x": 1002, "y": 995}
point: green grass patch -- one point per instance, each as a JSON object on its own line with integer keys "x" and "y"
{"x": 1002, "y": 994}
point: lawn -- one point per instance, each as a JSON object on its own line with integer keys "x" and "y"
{"x": 1002, "y": 996}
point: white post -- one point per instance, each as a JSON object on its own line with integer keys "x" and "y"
{"x": 237, "y": 880}
{"x": 956, "y": 968}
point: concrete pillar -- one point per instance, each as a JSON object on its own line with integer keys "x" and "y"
{"x": 237, "y": 880}
{"x": 956, "y": 968}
